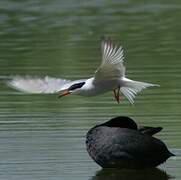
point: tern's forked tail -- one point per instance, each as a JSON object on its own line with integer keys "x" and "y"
{"x": 130, "y": 88}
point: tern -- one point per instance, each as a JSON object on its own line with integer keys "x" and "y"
{"x": 109, "y": 76}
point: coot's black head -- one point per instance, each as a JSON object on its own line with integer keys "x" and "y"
{"x": 122, "y": 122}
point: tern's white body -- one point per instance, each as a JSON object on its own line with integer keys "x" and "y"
{"x": 109, "y": 76}
{"x": 89, "y": 89}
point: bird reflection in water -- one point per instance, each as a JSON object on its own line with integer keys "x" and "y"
{"x": 123, "y": 174}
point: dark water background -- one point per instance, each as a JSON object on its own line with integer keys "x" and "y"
{"x": 43, "y": 137}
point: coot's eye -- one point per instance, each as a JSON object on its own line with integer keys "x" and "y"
{"x": 76, "y": 86}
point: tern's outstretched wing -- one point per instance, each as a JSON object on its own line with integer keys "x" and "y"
{"x": 44, "y": 85}
{"x": 112, "y": 67}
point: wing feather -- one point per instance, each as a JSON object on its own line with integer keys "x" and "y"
{"x": 111, "y": 67}
{"x": 44, "y": 85}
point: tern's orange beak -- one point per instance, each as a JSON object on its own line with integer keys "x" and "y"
{"x": 64, "y": 93}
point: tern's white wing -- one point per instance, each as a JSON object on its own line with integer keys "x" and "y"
{"x": 44, "y": 85}
{"x": 112, "y": 67}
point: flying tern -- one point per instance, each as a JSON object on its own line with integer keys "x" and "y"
{"x": 110, "y": 76}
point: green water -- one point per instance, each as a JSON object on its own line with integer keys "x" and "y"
{"x": 43, "y": 137}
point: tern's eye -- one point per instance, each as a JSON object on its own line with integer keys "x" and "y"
{"x": 76, "y": 86}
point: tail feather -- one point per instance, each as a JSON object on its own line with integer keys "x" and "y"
{"x": 150, "y": 130}
{"x": 132, "y": 88}
{"x": 129, "y": 95}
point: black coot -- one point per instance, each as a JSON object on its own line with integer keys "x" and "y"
{"x": 119, "y": 143}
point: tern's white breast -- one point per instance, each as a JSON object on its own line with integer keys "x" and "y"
{"x": 91, "y": 89}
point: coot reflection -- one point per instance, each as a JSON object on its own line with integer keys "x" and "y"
{"x": 119, "y": 143}
{"x": 131, "y": 174}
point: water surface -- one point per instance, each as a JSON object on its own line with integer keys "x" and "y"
{"x": 43, "y": 137}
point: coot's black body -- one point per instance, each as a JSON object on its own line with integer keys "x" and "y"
{"x": 118, "y": 143}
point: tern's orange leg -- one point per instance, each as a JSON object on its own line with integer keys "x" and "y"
{"x": 118, "y": 95}
{"x": 115, "y": 94}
